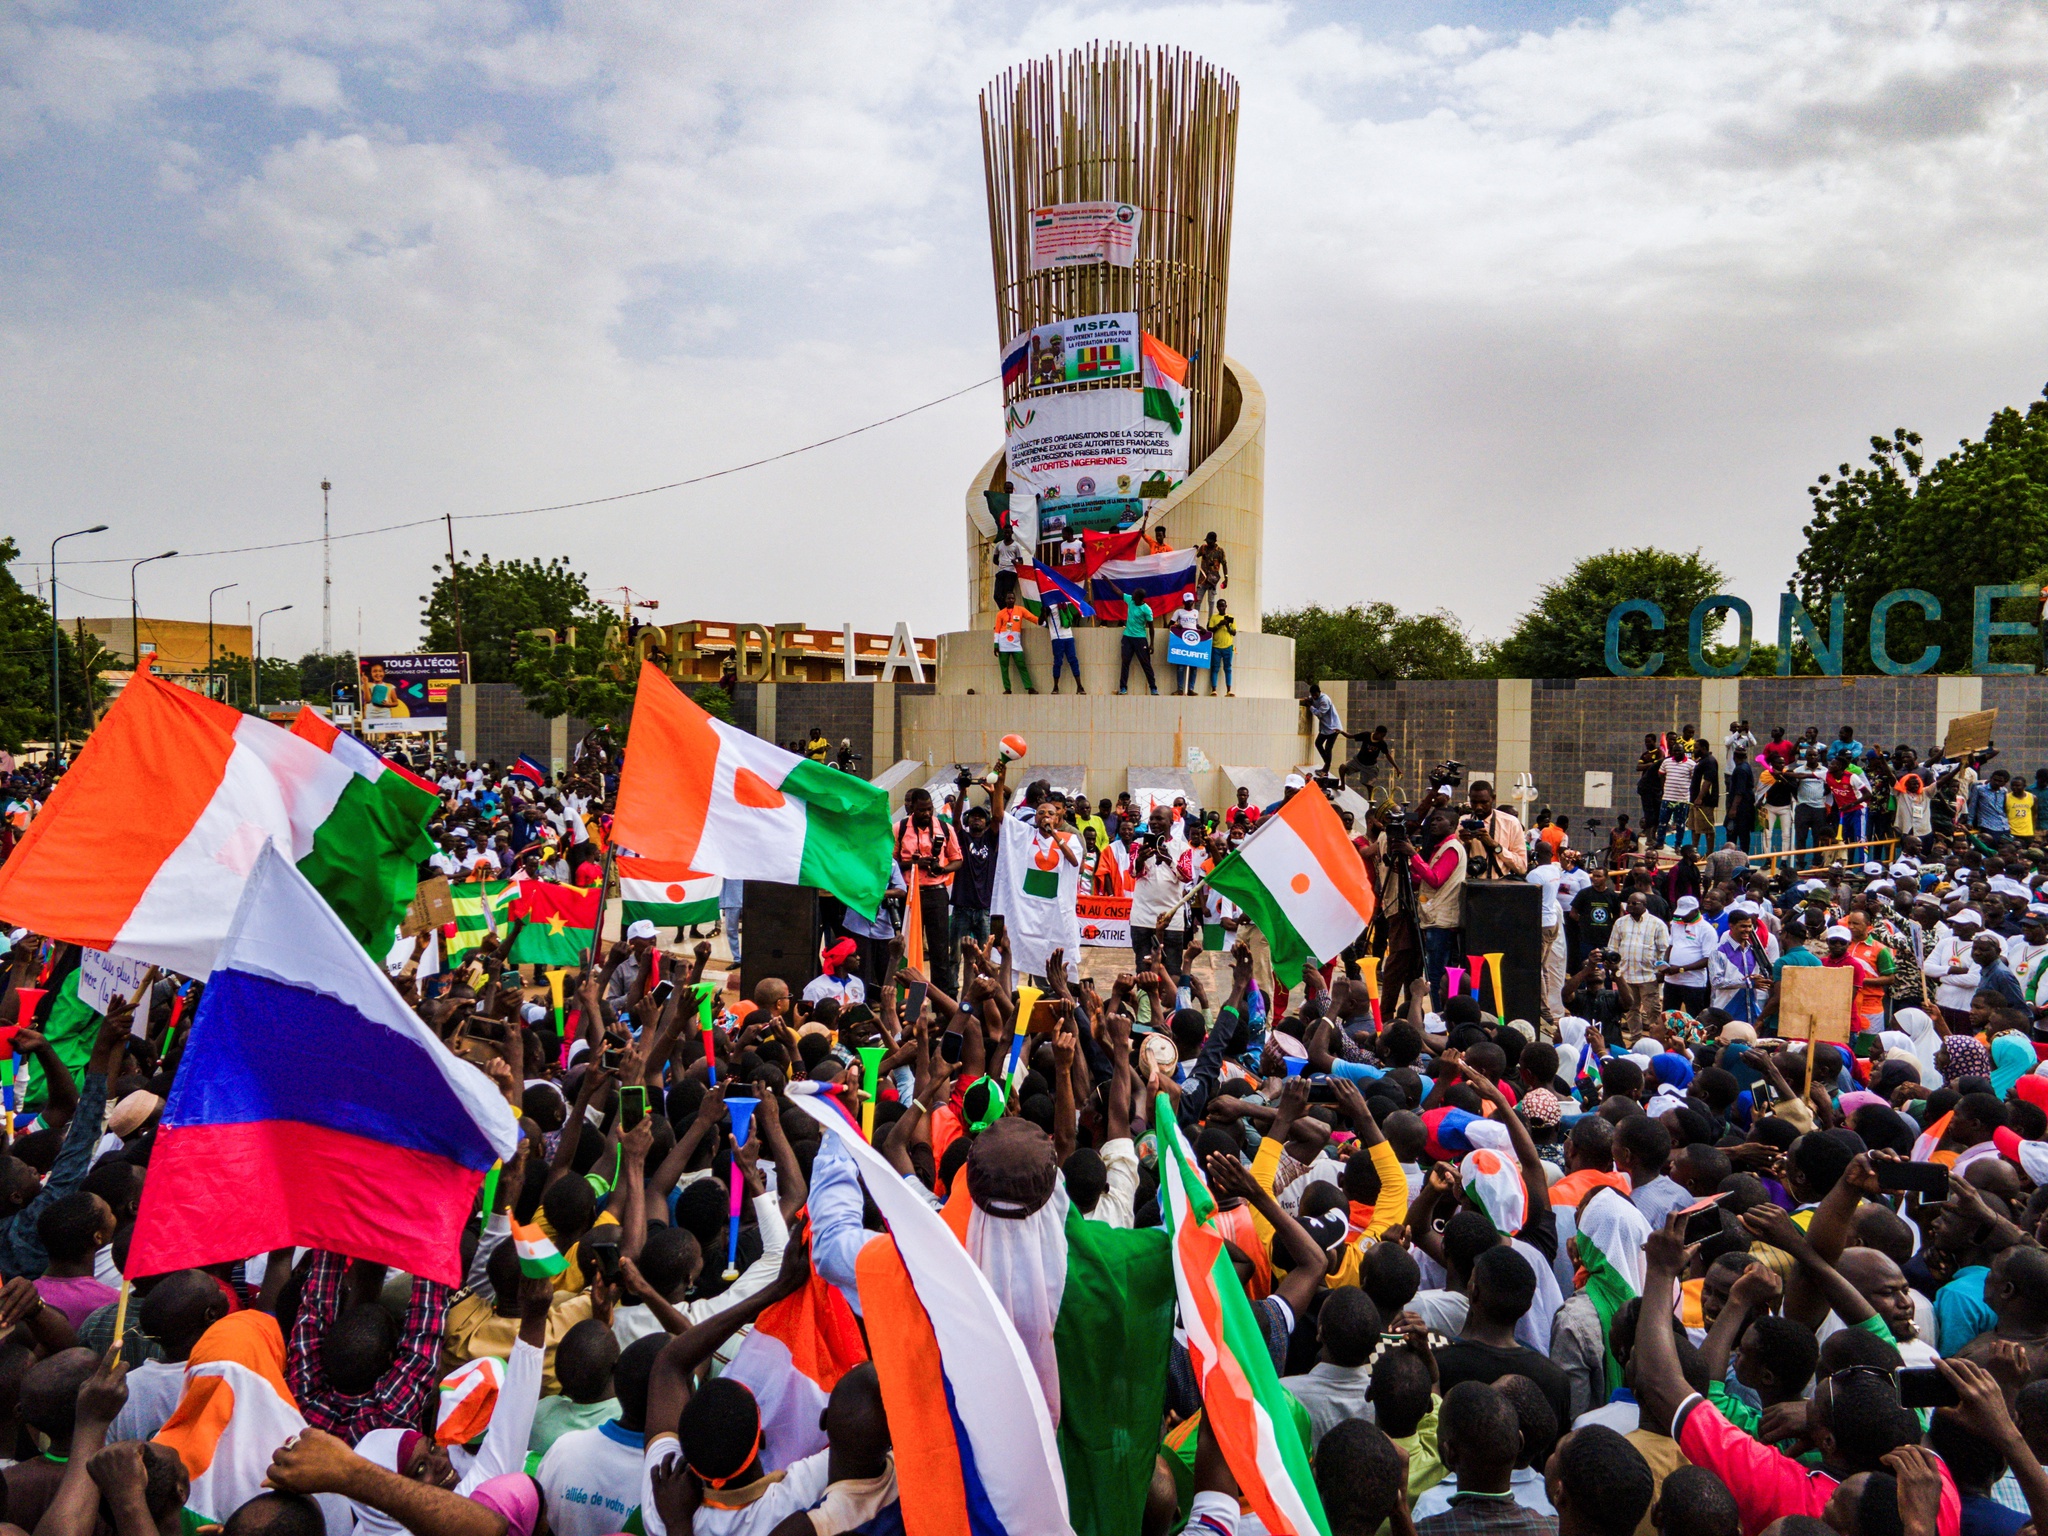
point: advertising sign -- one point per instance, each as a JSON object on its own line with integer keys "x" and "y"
{"x": 409, "y": 693}
{"x": 1077, "y": 451}
{"x": 1079, "y": 351}
{"x": 1079, "y": 234}
{"x": 1105, "y": 921}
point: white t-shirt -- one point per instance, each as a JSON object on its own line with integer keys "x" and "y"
{"x": 1010, "y": 554}
{"x": 847, "y": 989}
{"x": 1056, "y": 626}
{"x": 1071, "y": 550}
{"x": 1547, "y": 878}
{"x": 802, "y": 1486}
{"x": 154, "y": 1388}
{"x": 591, "y": 1479}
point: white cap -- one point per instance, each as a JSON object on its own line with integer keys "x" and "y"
{"x": 1295, "y": 781}
{"x": 1904, "y": 867}
{"x": 1873, "y": 868}
{"x": 1839, "y": 932}
{"x": 642, "y": 929}
{"x": 1686, "y": 905}
{"x": 533, "y": 1013}
{"x": 1969, "y": 915}
{"x": 1880, "y": 885}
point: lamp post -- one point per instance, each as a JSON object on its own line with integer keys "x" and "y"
{"x": 135, "y": 607}
{"x": 209, "y": 632}
{"x": 56, "y": 638}
{"x": 256, "y": 661}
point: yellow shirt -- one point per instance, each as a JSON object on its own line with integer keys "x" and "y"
{"x": 474, "y": 1329}
{"x": 2019, "y": 813}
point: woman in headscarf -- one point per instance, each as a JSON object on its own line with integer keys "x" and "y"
{"x": 2012, "y": 1058}
{"x": 1962, "y": 1056}
{"x": 1673, "y": 1075}
{"x": 1924, "y": 1039}
{"x": 318, "y": 1464}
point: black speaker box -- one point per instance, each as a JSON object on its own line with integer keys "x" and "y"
{"x": 778, "y": 936}
{"x": 1505, "y": 917}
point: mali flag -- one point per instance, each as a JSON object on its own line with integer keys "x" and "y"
{"x": 561, "y": 921}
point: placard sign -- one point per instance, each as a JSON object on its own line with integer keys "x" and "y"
{"x": 1814, "y": 1003}
{"x": 1105, "y": 921}
{"x": 105, "y": 979}
{"x": 1970, "y": 733}
{"x": 1187, "y": 647}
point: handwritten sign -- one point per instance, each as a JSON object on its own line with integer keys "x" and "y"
{"x": 105, "y": 979}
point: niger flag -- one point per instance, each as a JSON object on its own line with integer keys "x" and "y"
{"x": 710, "y": 796}
{"x": 561, "y": 920}
{"x": 1300, "y": 880}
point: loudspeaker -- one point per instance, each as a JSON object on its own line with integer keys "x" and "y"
{"x": 779, "y": 936}
{"x": 1505, "y": 917}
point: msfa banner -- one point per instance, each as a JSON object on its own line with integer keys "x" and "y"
{"x": 1082, "y": 351}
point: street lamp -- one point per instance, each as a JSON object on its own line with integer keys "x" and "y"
{"x": 135, "y": 608}
{"x": 256, "y": 661}
{"x": 209, "y": 632}
{"x": 56, "y": 634}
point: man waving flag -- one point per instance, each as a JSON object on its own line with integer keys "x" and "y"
{"x": 1301, "y": 882}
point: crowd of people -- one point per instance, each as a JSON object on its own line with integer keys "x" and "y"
{"x": 1450, "y": 1224}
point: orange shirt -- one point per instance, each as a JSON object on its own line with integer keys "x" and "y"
{"x": 1574, "y": 1187}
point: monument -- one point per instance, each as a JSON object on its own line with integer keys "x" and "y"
{"x": 1109, "y": 175}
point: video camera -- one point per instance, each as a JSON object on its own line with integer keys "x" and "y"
{"x": 1448, "y": 774}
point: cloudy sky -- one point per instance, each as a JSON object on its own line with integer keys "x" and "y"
{"x": 1522, "y": 280}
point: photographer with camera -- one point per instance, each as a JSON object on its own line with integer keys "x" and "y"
{"x": 928, "y": 852}
{"x": 1594, "y": 992}
{"x": 1162, "y": 869}
{"x": 1437, "y": 863}
{"x": 1499, "y": 833}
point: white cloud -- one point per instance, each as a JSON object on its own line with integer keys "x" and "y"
{"x": 1630, "y": 279}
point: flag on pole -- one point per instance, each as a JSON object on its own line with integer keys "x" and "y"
{"x": 146, "y": 845}
{"x": 539, "y": 1258}
{"x": 480, "y": 908}
{"x": 561, "y": 920}
{"x": 1040, "y": 587}
{"x": 1165, "y": 376}
{"x": 1120, "y": 577}
{"x": 702, "y": 793}
{"x": 526, "y": 768}
{"x": 1254, "y": 1418}
{"x": 254, "y": 1153}
{"x": 1300, "y": 882}
{"x": 667, "y": 895}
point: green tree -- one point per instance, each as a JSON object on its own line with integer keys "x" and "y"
{"x": 500, "y": 600}
{"x": 1377, "y": 641}
{"x": 1976, "y": 517}
{"x": 1565, "y": 634}
{"x": 593, "y": 679}
{"x": 320, "y": 675}
{"x": 279, "y": 680}
{"x": 24, "y": 658}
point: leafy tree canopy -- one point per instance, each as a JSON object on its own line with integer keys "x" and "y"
{"x": 25, "y": 665}
{"x": 1565, "y": 634}
{"x": 1377, "y": 641}
{"x": 1977, "y": 517}
{"x": 500, "y": 601}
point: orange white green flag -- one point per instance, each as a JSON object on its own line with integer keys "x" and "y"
{"x": 705, "y": 795}
{"x": 1301, "y": 882}
{"x": 1259, "y": 1426}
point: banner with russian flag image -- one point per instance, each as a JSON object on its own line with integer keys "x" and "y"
{"x": 313, "y": 1107}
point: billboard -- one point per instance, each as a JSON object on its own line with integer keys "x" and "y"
{"x": 1078, "y": 451}
{"x": 1081, "y": 234}
{"x": 409, "y": 693}
{"x": 1082, "y": 351}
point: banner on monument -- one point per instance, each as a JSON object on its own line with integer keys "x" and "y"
{"x": 1105, "y": 921}
{"x": 1080, "y": 234}
{"x": 1077, "y": 451}
{"x": 1083, "y": 351}
{"x": 409, "y": 693}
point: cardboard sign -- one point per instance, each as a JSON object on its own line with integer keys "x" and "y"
{"x": 1814, "y": 1003}
{"x": 104, "y": 979}
{"x": 1970, "y": 733}
{"x": 432, "y": 906}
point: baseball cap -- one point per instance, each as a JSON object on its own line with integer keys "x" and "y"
{"x": 642, "y": 929}
{"x": 1686, "y": 904}
{"x": 1294, "y": 781}
{"x": 1839, "y": 932}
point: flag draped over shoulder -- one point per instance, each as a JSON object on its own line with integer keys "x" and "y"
{"x": 1035, "y": 889}
{"x": 1301, "y": 883}
{"x": 791, "y": 1360}
{"x": 264, "y": 1145}
{"x": 146, "y": 844}
{"x": 1253, "y": 1416}
{"x": 561, "y": 922}
{"x": 699, "y": 792}
{"x": 235, "y": 1412}
{"x": 1611, "y": 1236}
{"x": 975, "y": 1450}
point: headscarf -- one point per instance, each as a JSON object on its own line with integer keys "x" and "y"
{"x": 1025, "y": 1263}
{"x": 390, "y": 1449}
{"x": 2012, "y": 1058}
{"x": 1918, "y": 1028}
{"x": 1967, "y": 1057}
{"x": 1671, "y": 1070}
{"x": 515, "y": 1497}
{"x": 1541, "y": 1107}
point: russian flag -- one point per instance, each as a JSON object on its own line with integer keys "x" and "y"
{"x": 1015, "y": 358}
{"x": 526, "y": 768}
{"x": 313, "y": 1107}
{"x": 1120, "y": 574}
{"x": 975, "y": 1449}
